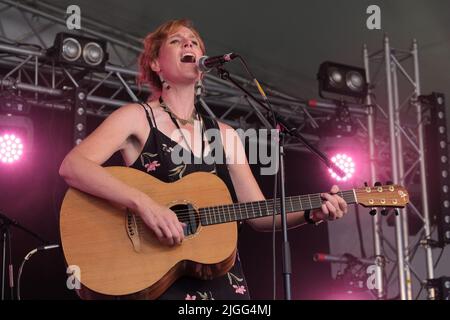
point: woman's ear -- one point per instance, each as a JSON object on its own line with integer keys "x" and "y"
{"x": 155, "y": 66}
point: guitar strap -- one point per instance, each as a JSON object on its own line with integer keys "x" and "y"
{"x": 221, "y": 168}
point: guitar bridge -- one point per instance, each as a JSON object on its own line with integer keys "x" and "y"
{"x": 132, "y": 230}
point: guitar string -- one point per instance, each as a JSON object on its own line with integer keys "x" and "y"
{"x": 143, "y": 228}
{"x": 242, "y": 208}
{"x": 348, "y": 196}
{"x": 217, "y": 218}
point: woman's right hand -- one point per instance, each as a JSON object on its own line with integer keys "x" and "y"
{"x": 162, "y": 221}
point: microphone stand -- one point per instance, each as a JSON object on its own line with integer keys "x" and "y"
{"x": 282, "y": 129}
{"x": 5, "y": 225}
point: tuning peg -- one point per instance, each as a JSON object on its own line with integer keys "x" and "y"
{"x": 396, "y": 211}
{"x": 377, "y": 184}
{"x": 384, "y": 211}
{"x": 373, "y": 212}
{"x": 366, "y": 184}
{"x": 389, "y": 183}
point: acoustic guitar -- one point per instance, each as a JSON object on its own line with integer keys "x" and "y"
{"x": 117, "y": 255}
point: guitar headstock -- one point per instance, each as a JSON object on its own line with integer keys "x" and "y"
{"x": 389, "y": 196}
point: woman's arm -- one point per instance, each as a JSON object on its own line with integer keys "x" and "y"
{"x": 82, "y": 169}
{"x": 247, "y": 189}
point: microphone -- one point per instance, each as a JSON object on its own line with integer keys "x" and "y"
{"x": 206, "y": 63}
{"x": 346, "y": 258}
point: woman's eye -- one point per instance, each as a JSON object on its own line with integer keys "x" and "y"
{"x": 175, "y": 41}
{"x": 195, "y": 43}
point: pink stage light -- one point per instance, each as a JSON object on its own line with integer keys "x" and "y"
{"x": 347, "y": 165}
{"x": 11, "y": 148}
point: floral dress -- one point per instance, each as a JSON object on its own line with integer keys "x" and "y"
{"x": 156, "y": 160}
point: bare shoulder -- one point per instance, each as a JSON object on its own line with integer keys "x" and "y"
{"x": 132, "y": 115}
{"x": 130, "y": 111}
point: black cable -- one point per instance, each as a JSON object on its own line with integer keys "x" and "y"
{"x": 275, "y": 187}
{"x": 27, "y": 257}
{"x": 439, "y": 258}
{"x": 274, "y": 256}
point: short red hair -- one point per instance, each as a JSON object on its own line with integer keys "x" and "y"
{"x": 153, "y": 42}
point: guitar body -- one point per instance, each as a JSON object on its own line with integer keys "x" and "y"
{"x": 118, "y": 256}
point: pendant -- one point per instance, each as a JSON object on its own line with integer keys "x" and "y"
{"x": 184, "y": 122}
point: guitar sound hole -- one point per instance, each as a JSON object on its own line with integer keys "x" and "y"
{"x": 187, "y": 214}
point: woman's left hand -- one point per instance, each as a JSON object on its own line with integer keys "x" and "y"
{"x": 333, "y": 207}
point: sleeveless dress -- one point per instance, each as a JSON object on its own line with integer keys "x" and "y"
{"x": 155, "y": 159}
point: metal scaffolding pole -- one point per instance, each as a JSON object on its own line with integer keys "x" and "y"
{"x": 423, "y": 178}
{"x": 391, "y": 59}
{"x": 395, "y": 170}
{"x": 379, "y": 258}
{"x": 401, "y": 172}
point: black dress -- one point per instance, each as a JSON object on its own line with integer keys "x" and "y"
{"x": 155, "y": 159}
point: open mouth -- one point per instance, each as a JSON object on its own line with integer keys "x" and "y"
{"x": 188, "y": 58}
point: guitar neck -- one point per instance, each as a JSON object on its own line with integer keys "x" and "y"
{"x": 256, "y": 209}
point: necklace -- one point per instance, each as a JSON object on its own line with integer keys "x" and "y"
{"x": 183, "y": 122}
{"x": 174, "y": 119}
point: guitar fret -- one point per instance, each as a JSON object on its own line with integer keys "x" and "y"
{"x": 218, "y": 214}
{"x": 247, "y": 210}
{"x": 224, "y": 218}
{"x": 238, "y": 211}
{"x": 206, "y": 215}
{"x": 310, "y": 204}
{"x": 222, "y": 213}
{"x": 292, "y": 205}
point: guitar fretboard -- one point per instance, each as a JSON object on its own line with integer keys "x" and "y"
{"x": 256, "y": 209}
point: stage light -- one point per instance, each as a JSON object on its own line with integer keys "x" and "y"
{"x": 93, "y": 54}
{"x": 16, "y": 136}
{"x": 71, "y": 49}
{"x": 437, "y": 167}
{"x": 346, "y": 163}
{"x": 351, "y": 155}
{"x": 11, "y": 148}
{"x": 341, "y": 80}
{"x": 79, "y": 51}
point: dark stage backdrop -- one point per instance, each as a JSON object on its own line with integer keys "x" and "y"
{"x": 31, "y": 193}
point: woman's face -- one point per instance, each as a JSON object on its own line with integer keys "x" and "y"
{"x": 178, "y": 56}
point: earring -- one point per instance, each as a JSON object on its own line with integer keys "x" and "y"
{"x": 164, "y": 83}
{"x": 199, "y": 88}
